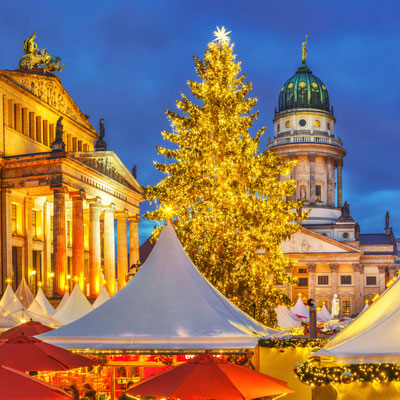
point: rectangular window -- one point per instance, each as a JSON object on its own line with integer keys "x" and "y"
{"x": 371, "y": 280}
{"x": 323, "y": 280}
{"x": 69, "y": 233}
{"x": 317, "y": 192}
{"x": 34, "y": 224}
{"x": 303, "y": 282}
{"x": 14, "y": 219}
{"x": 346, "y": 308}
{"x": 302, "y": 270}
{"x": 345, "y": 280}
{"x": 51, "y": 228}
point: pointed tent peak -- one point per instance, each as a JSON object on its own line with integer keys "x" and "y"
{"x": 44, "y": 303}
{"x": 24, "y": 294}
{"x": 75, "y": 307}
{"x": 63, "y": 301}
{"x": 300, "y": 309}
{"x": 102, "y": 297}
{"x": 10, "y": 301}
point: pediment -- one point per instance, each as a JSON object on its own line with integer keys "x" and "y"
{"x": 107, "y": 163}
{"x": 48, "y": 88}
{"x": 307, "y": 241}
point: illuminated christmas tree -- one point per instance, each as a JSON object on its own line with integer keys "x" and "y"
{"x": 232, "y": 211}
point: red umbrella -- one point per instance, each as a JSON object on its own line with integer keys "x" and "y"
{"x": 30, "y": 328}
{"x": 26, "y": 353}
{"x": 16, "y": 385}
{"x": 208, "y": 377}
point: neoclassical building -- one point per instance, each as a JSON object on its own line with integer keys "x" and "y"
{"x": 333, "y": 256}
{"x": 61, "y": 189}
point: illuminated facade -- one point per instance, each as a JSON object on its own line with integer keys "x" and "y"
{"x": 333, "y": 256}
{"x": 61, "y": 191}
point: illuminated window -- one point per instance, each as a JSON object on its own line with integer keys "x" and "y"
{"x": 317, "y": 192}
{"x": 69, "y": 234}
{"x": 288, "y": 124}
{"x": 345, "y": 280}
{"x": 371, "y": 280}
{"x": 34, "y": 225}
{"x": 346, "y": 308}
{"x": 303, "y": 282}
{"x": 14, "y": 219}
{"x": 323, "y": 280}
{"x": 317, "y": 123}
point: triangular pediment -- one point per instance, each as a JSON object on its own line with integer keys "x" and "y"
{"x": 48, "y": 88}
{"x": 307, "y": 241}
{"x": 107, "y": 163}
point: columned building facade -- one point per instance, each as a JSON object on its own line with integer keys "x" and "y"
{"x": 62, "y": 192}
{"x": 333, "y": 256}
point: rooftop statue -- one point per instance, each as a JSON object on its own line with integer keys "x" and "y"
{"x": 34, "y": 58}
{"x": 304, "y": 51}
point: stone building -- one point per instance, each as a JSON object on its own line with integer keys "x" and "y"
{"x": 61, "y": 190}
{"x": 333, "y": 256}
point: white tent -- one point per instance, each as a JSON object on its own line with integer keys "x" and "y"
{"x": 63, "y": 301}
{"x": 364, "y": 309}
{"x": 167, "y": 305}
{"x": 75, "y": 307}
{"x": 300, "y": 309}
{"x": 286, "y": 319}
{"x": 102, "y": 297}
{"x": 44, "y": 303}
{"x": 373, "y": 337}
{"x": 7, "y": 320}
{"x": 324, "y": 315}
{"x": 24, "y": 294}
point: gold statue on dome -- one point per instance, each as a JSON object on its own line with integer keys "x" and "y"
{"x": 34, "y": 58}
{"x": 304, "y": 51}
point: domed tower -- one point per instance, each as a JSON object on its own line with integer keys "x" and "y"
{"x": 304, "y": 130}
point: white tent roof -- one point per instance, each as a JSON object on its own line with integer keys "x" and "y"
{"x": 75, "y": 307}
{"x": 167, "y": 305}
{"x": 286, "y": 319}
{"x": 24, "y": 294}
{"x": 7, "y": 320}
{"x": 373, "y": 337}
{"x": 324, "y": 315}
{"x": 364, "y": 309}
{"x": 44, "y": 303}
{"x": 300, "y": 308}
{"x": 63, "y": 301}
{"x": 102, "y": 297}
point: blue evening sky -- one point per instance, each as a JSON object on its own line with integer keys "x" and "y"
{"x": 126, "y": 61}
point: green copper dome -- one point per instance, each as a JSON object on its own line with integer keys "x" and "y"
{"x": 303, "y": 90}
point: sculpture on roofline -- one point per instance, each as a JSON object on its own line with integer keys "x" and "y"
{"x": 34, "y": 58}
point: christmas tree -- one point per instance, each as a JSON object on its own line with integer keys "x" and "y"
{"x": 232, "y": 209}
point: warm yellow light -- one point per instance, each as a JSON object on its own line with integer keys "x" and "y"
{"x": 51, "y": 274}
{"x": 168, "y": 211}
{"x": 8, "y": 280}
{"x": 22, "y": 320}
{"x": 221, "y": 35}
{"x": 103, "y": 281}
{"x": 76, "y": 279}
{"x": 40, "y": 284}
{"x": 33, "y": 272}
{"x": 68, "y": 276}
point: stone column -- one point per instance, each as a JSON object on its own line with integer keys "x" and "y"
{"x": 133, "y": 240}
{"x": 311, "y": 159}
{"x": 28, "y": 239}
{"x": 47, "y": 278}
{"x": 382, "y": 278}
{"x": 59, "y": 240}
{"x": 334, "y": 278}
{"x": 122, "y": 249}
{"x": 109, "y": 249}
{"x": 339, "y": 183}
{"x": 78, "y": 242}
{"x": 330, "y": 187}
{"x": 6, "y": 250}
{"x": 311, "y": 280}
{"x": 391, "y": 271}
{"x": 94, "y": 247}
{"x": 358, "y": 287}
{"x": 293, "y": 176}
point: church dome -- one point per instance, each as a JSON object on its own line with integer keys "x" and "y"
{"x": 303, "y": 90}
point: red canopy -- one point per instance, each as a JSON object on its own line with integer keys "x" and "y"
{"x": 30, "y": 328}
{"x": 16, "y": 385}
{"x": 26, "y": 353}
{"x": 208, "y": 377}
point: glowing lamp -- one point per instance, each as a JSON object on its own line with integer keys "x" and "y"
{"x": 40, "y": 284}
{"x": 68, "y": 276}
{"x": 22, "y": 320}
{"x": 103, "y": 281}
{"x": 33, "y": 272}
{"x": 51, "y": 274}
{"x": 76, "y": 279}
{"x": 8, "y": 280}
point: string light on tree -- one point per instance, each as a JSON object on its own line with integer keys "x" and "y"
{"x": 227, "y": 197}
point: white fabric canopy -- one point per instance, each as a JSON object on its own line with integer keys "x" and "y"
{"x": 373, "y": 337}
{"x": 364, "y": 309}
{"x": 63, "y": 301}
{"x": 300, "y": 309}
{"x": 75, "y": 307}
{"x": 167, "y": 305}
{"x": 24, "y": 294}
{"x": 324, "y": 315}
{"x": 44, "y": 303}
{"x": 286, "y": 319}
{"x": 102, "y": 297}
